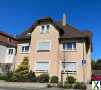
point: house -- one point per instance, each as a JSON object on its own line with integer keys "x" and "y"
{"x": 56, "y": 48}
{"x": 7, "y": 52}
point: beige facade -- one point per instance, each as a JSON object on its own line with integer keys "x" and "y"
{"x": 56, "y": 54}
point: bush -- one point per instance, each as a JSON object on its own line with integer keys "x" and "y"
{"x": 71, "y": 79}
{"x": 3, "y": 77}
{"x": 9, "y": 76}
{"x": 32, "y": 76}
{"x": 49, "y": 85}
{"x": 60, "y": 85}
{"x": 21, "y": 73}
{"x": 67, "y": 85}
{"x": 43, "y": 78}
{"x": 54, "y": 79}
{"x": 79, "y": 85}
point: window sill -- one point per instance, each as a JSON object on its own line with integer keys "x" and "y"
{"x": 43, "y": 50}
{"x": 24, "y": 52}
{"x": 41, "y": 71}
{"x": 70, "y": 72}
{"x": 70, "y": 50}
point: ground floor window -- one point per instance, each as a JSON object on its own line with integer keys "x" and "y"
{"x": 69, "y": 67}
{"x": 42, "y": 66}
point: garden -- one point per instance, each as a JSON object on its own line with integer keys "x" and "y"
{"x": 22, "y": 74}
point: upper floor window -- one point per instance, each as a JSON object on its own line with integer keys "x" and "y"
{"x": 24, "y": 48}
{"x": 44, "y": 46}
{"x": 69, "y": 46}
{"x": 10, "y": 51}
{"x": 45, "y": 28}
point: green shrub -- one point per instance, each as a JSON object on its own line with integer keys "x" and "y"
{"x": 60, "y": 85}
{"x": 79, "y": 85}
{"x": 54, "y": 79}
{"x": 3, "y": 77}
{"x": 32, "y": 76}
{"x": 71, "y": 79}
{"x": 21, "y": 73}
{"x": 9, "y": 76}
{"x": 43, "y": 78}
{"x": 49, "y": 85}
{"x": 67, "y": 85}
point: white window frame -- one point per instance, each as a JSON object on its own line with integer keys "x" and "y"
{"x": 43, "y": 41}
{"x": 72, "y": 49}
{"x": 43, "y": 62}
{"x": 22, "y": 45}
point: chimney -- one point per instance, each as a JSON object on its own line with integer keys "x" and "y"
{"x": 64, "y": 19}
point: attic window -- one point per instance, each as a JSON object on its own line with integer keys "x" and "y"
{"x": 45, "y": 28}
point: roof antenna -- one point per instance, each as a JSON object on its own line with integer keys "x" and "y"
{"x": 64, "y": 19}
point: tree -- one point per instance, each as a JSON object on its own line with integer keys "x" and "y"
{"x": 93, "y": 63}
{"x": 98, "y": 64}
{"x": 21, "y": 73}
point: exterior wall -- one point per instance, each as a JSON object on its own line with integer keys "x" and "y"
{"x": 10, "y": 58}
{"x": 6, "y": 59}
{"x": 88, "y": 67}
{"x": 2, "y": 54}
{"x": 56, "y": 55}
{"x": 20, "y": 56}
{"x": 6, "y": 43}
{"x": 52, "y": 55}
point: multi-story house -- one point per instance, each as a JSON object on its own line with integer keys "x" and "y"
{"x": 7, "y": 52}
{"x": 56, "y": 48}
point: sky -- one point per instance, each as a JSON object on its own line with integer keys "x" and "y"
{"x": 17, "y": 16}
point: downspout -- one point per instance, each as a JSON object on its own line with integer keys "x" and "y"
{"x": 83, "y": 64}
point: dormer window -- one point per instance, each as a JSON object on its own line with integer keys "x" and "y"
{"x": 45, "y": 28}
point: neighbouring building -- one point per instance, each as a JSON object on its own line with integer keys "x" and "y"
{"x": 7, "y": 52}
{"x": 56, "y": 48}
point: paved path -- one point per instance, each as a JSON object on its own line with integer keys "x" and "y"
{"x": 21, "y": 85}
{"x": 27, "y": 86}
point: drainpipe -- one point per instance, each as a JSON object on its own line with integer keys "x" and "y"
{"x": 83, "y": 62}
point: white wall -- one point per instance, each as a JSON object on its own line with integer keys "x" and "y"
{"x": 2, "y": 53}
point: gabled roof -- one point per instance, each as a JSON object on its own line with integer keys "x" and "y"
{"x": 66, "y": 31}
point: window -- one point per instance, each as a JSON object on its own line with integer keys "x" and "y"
{"x": 45, "y": 28}
{"x": 69, "y": 46}
{"x": 10, "y": 51}
{"x": 44, "y": 46}
{"x": 42, "y": 66}
{"x": 69, "y": 66}
{"x": 25, "y": 49}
